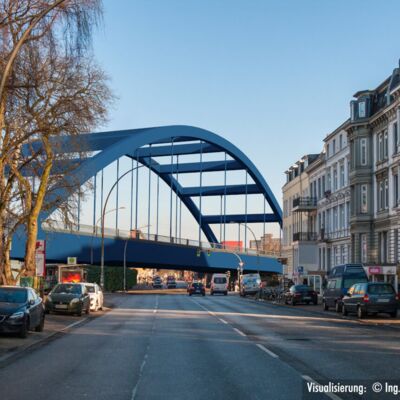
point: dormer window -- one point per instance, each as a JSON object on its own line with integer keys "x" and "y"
{"x": 362, "y": 109}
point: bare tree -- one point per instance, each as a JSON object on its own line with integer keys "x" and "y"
{"x": 52, "y": 88}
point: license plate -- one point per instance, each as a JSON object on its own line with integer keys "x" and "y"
{"x": 306, "y": 298}
{"x": 61, "y": 306}
{"x": 383, "y": 300}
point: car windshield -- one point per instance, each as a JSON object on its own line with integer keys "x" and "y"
{"x": 380, "y": 289}
{"x": 351, "y": 280}
{"x": 90, "y": 289}
{"x": 219, "y": 280}
{"x": 69, "y": 289}
{"x": 9, "y": 295}
{"x": 197, "y": 285}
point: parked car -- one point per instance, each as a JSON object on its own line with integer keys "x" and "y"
{"x": 157, "y": 283}
{"x": 96, "y": 296}
{"x": 72, "y": 298}
{"x": 21, "y": 310}
{"x": 371, "y": 298}
{"x": 250, "y": 284}
{"x": 171, "y": 282}
{"x": 196, "y": 288}
{"x": 340, "y": 280}
{"x": 219, "y": 284}
{"x": 300, "y": 294}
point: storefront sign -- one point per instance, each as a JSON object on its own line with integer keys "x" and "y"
{"x": 375, "y": 270}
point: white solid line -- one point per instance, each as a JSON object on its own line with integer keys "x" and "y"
{"x": 330, "y": 395}
{"x": 223, "y": 321}
{"x": 73, "y": 324}
{"x": 269, "y": 352}
{"x": 239, "y": 332}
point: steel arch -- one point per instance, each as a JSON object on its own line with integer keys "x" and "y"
{"x": 116, "y": 144}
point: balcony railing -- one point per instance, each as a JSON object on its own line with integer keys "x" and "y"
{"x": 304, "y": 204}
{"x": 305, "y": 237}
{"x": 338, "y": 234}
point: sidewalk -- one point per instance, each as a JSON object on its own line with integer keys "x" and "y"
{"x": 56, "y": 324}
{"x": 379, "y": 320}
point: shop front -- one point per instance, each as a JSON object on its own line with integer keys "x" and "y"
{"x": 382, "y": 273}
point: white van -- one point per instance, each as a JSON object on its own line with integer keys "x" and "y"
{"x": 250, "y": 284}
{"x": 219, "y": 284}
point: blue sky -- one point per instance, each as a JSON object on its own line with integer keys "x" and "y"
{"x": 273, "y": 77}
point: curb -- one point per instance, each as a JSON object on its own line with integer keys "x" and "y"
{"x": 333, "y": 316}
{"x": 12, "y": 356}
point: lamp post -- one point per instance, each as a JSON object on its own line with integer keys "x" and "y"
{"x": 125, "y": 247}
{"x": 103, "y": 213}
{"x": 95, "y": 230}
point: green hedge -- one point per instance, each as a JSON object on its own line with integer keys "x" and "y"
{"x": 113, "y": 277}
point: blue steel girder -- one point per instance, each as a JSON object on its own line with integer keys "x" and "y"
{"x": 177, "y": 188}
{"x": 241, "y": 218}
{"x": 125, "y": 143}
{"x": 220, "y": 190}
{"x": 206, "y": 166}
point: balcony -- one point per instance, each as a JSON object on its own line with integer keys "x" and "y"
{"x": 305, "y": 237}
{"x": 304, "y": 204}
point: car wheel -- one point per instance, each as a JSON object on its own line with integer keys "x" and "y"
{"x": 360, "y": 312}
{"x": 212, "y": 293}
{"x": 203, "y": 294}
{"x": 225, "y": 293}
{"x": 344, "y": 310}
{"x": 190, "y": 294}
{"x": 315, "y": 302}
{"x": 87, "y": 311}
{"x": 393, "y": 314}
{"x": 79, "y": 313}
{"x": 307, "y": 302}
{"x": 326, "y": 308}
{"x": 23, "y": 333}
{"x": 40, "y": 327}
{"x": 338, "y": 307}
{"x": 292, "y": 302}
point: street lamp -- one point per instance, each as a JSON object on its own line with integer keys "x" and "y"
{"x": 103, "y": 213}
{"x": 125, "y": 247}
{"x": 95, "y": 230}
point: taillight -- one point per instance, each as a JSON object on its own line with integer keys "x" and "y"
{"x": 398, "y": 296}
{"x": 366, "y": 298}
{"x": 297, "y": 294}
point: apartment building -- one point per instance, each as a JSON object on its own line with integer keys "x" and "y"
{"x": 298, "y": 242}
{"x": 373, "y": 133}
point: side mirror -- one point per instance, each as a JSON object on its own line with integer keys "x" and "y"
{"x": 348, "y": 294}
{"x": 31, "y": 302}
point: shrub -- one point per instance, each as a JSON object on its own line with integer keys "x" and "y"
{"x": 113, "y": 277}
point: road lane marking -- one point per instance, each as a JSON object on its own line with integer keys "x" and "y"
{"x": 223, "y": 321}
{"x": 239, "y": 332}
{"x": 74, "y": 323}
{"x": 330, "y": 395}
{"x": 269, "y": 352}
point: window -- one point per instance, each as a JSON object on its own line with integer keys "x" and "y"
{"x": 385, "y": 145}
{"x": 381, "y": 193}
{"x": 340, "y": 142}
{"x": 333, "y": 146}
{"x": 363, "y": 151}
{"x": 395, "y": 137}
{"x": 362, "y": 109}
{"x": 386, "y": 193}
{"x": 364, "y": 199}
{"x": 341, "y": 216}
{"x": 383, "y": 247}
{"x": 363, "y": 247}
{"x": 395, "y": 190}
{"x": 334, "y": 179}
{"x": 343, "y": 254}
{"x": 341, "y": 175}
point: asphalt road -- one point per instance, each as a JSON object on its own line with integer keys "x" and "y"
{"x": 179, "y": 347}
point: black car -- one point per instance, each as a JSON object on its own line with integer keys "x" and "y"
{"x": 72, "y": 298}
{"x": 371, "y": 298}
{"x": 157, "y": 283}
{"x": 301, "y": 294}
{"x": 21, "y": 310}
{"x": 196, "y": 288}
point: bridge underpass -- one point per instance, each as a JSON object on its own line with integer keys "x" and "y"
{"x": 182, "y": 165}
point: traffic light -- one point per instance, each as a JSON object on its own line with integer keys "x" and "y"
{"x": 209, "y": 252}
{"x": 198, "y": 252}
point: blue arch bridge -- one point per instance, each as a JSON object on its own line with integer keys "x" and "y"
{"x": 163, "y": 152}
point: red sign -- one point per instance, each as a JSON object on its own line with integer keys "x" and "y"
{"x": 375, "y": 270}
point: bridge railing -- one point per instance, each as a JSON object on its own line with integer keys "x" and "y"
{"x": 110, "y": 233}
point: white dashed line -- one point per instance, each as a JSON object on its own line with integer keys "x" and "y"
{"x": 223, "y": 321}
{"x": 269, "y": 352}
{"x": 239, "y": 332}
{"x": 73, "y": 324}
